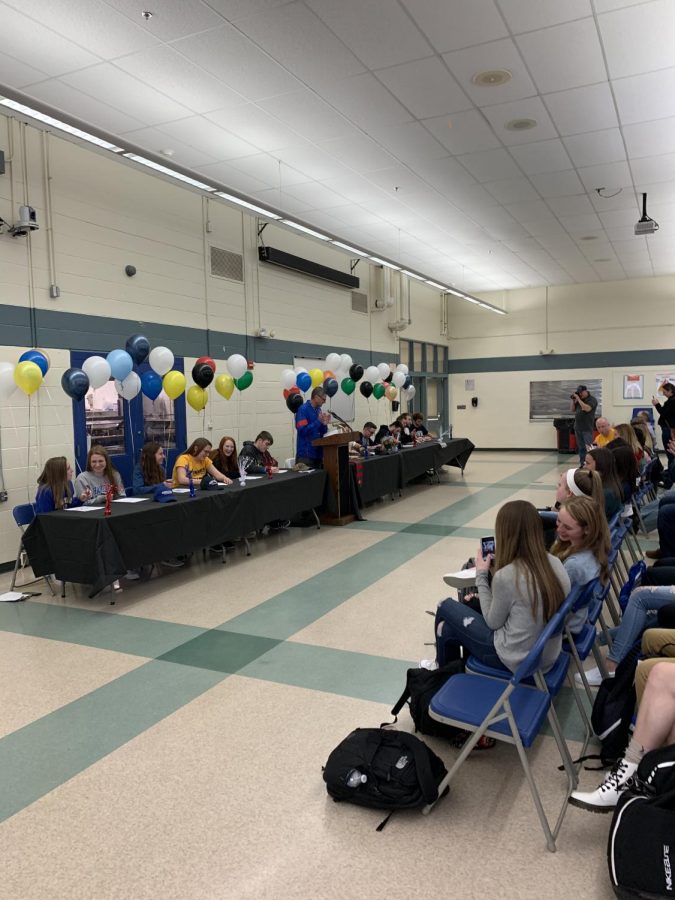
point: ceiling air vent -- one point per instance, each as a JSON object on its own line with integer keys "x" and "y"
{"x": 225, "y": 264}
{"x": 359, "y": 302}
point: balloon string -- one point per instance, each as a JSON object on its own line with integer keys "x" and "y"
{"x": 28, "y": 451}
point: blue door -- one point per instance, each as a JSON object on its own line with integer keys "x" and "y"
{"x": 123, "y": 426}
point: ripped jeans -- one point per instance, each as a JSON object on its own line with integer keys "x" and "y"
{"x": 457, "y": 625}
{"x": 638, "y": 616}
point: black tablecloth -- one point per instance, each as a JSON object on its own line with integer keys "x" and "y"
{"x": 379, "y": 475}
{"x": 90, "y": 548}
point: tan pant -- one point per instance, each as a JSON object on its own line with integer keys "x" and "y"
{"x": 659, "y": 644}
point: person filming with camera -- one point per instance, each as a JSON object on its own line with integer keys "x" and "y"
{"x": 583, "y": 405}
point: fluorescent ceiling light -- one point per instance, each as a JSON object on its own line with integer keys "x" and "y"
{"x": 411, "y": 275}
{"x": 349, "y": 249}
{"x": 62, "y": 126}
{"x": 247, "y": 205}
{"x": 383, "y": 262}
{"x": 437, "y": 285}
{"x": 172, "y": 173}
{"x": 316, "y": 234}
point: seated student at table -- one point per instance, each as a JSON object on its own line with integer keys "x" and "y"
{"x": 225, "y": 458}
{"x": 252, "y": 456}
{"x": 92, "y": 484}
{"x": 149, "y": 470}
{"x": 421, "y": 432}
{"x": 196, "y": 459}
{"x": 55, "y": 486}
{"x": 367, "y": 438}
{"x": 405, "y": 424}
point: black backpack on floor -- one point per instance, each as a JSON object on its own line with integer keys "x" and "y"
{"x": 398, "y": 770}
{"x": 641, "y": 845}
{"x": 420, "y": 687}
{"x": 614, "y": 707}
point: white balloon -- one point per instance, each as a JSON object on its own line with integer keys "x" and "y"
{"x": 288, "y": 378}
{"x": 161, "y": 360}
{"x": 411, "y": 392}
{"x": 97, "y": 370}
{"x": 372, "y": 374}
{"x": 7, "y": 383}
{"x": 398, "y": 379}
{"x": 236, "y": 365}
{"x": 401, "y": 367}
{"x": 346, "y": 362}
{"x": 129, "y": 387}
{"x": 384, "y": 369}
{"x": 333, "y": 362}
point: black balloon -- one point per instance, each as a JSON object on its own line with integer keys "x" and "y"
{"x": 202, "y": 375}
{"x": 356, "y": 372}
{"x": 330, "y": 386}
{"x": 407, "y": 383}
{"x": 366, "y": 388}
{"x": 294, "y": 402}
{"x": 389, "y": 377}
{"x": 75, "y": 383}
{"x": 138, "y": 347}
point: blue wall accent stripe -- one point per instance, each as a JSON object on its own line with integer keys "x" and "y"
{"x": 629, "y": 359}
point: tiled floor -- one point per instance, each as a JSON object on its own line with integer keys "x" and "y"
{"x": 170, "y": 746}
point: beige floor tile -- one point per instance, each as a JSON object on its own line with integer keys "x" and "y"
{"x": 417, "y": 502}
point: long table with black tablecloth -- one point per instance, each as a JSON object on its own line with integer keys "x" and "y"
{"x": 385, "y": 474}
{"x": 91, "y": 548}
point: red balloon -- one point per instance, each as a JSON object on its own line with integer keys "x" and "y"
{"x": 208, "y": 362}
{"x": 294, "y": 390}
{"x": 287, "y": 393}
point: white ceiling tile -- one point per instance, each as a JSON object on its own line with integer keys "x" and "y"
{"x": 462, "y": 25}
{"x": 639, "y": 38}
{"x": 618, "y": 198}
{"x": 310, "y": 160}
{"x": 595, "y": 147}
{"x": 181, "y": 79}
{"x": 445, "y": 173}
{"x": 570, "y": 206}
{"x": 608, "y": 176}
{"x": 553, "y": 64}
{"x": 107, "y": 83}
{"x": 397, "y": 176}
{"x": 15, "y": 72}
{"x": 358, "y": 152}
{"x": 602, "y": 6}
{"x": 59, "y": 96}
{"x": 235, "y": 10}
{"x": 530, "y": 211}
{"x": 532, "y": 108}
{"x": 662, "y": 193}
{"x": 584, "y": 224}
{"x": 646, "y": 97}
{"x": 355, "y": 188}
{"x": 425, "y": 87}
{"x": 558, "y": 184}
{"x": 642, "y": 139}
{"x": 464, "y": 64}
{"x": 269, "y": 170}
{"x": 235, "y": 60}
{"x": 319, "y": 196}
{"x": 176, "y": 19}
{"x": 465, "y": 132}
{"x": 617, "y": 218}
{"x": 544, "y": 156}
{"x": 623, "y": 233}
{"x": 365, "y": 101}
{"x": 255, "y": 125}
{"x": 491, "y": 165}
{"x": 155, "y": 141}
{"x": 360, "y": 26}
{"x": 653, "y": 169}
{"x": 512, "y": 190}
{"x": 589, "y": 108}
{"x": 29, "y": 40}
{"x": 523, "y": 15}
{"x": 308, "y": 115}
{"x": 282, "y": 201}
{"x": 235, "y": 179}
{"x": 196, "y": 131}
{"x": 662, "y": 212}
{"x": 410, "y": 142}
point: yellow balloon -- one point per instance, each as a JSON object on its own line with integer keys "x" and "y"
{"x": 225, "y": 385}
{"x": 197, "y": 397}
{"x": 28, "y": 376}
{"x": 173, "y": 384}
{"x": 317, "y": 377}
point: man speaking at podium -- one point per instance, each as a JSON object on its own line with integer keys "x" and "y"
{"x": 311, "y": 423}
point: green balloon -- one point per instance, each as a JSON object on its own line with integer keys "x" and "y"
{"x": 347, "y": 385}
{"x": 378, "y": 391}
{"x": 245, "y": 381}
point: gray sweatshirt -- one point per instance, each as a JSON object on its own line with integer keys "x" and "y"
{"x": 97, "y": 484}
{"x": 507, "y": 609}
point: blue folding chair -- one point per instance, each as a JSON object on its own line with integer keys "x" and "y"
{"x": 23, "y": 516}
{"x": 511, "y": 711}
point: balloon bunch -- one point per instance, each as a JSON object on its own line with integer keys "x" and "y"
{"x": 204, "y": 372}
{"x": 26, "y": 375}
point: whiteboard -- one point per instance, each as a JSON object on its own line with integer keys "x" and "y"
{"x": 340, "y": 404}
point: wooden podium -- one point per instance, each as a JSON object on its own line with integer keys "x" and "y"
{"x": 336, "y": 463}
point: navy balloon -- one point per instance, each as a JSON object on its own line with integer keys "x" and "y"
{"x": 366, "y": 389}
{"x": 202, "y": 375}
{"x": 407, "y": 383}
{"x": 330, "y": 386}
{"x": 356, "y": 372}
{"x": 304, "y": 381}
{"x": 38, "y": 358}
{"x": 294, "y": 402}
{"x": 387, "y": 380}
{"x": 138, "y": 347}
{"x": 75, "y": 383}
{"x": 151, "y": 384}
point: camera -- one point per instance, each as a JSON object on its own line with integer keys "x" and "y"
{"x": 572, "y": 396}
{"x": 27, "y": 222}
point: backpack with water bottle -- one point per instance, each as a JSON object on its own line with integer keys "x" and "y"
{"x": 383, "y": 769}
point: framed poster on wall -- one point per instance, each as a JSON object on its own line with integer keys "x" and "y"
{"x": 633, "y": 387}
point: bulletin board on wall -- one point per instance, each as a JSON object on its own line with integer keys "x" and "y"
{"x": 341, "y": 404}
{"x": 638, "y": 387}
{"x": 551, "y": 399}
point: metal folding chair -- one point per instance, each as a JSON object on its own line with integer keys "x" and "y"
{"x": 23, "y": 516}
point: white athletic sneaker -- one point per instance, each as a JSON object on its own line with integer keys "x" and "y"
{"x": 429, "y": 664}
{"x": 594, "y": 677}
{"x": 606, "y": 796}
{"x": 132, "y": 575}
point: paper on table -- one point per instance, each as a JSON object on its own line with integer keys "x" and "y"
{"x": 253, "y": 477}
{"x": 281, "y": 471}
{"x": 131, "y": 500}
{"x": 181, "y": 490}
{"x": 11, "y": 597}
{"x": 83, "y": 508}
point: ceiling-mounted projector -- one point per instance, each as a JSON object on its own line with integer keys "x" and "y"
{"x": 645, "y": 225}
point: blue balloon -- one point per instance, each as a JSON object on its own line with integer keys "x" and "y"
{"x": 151, "y": 384}
{"x": 75, "y": 383}
{"x": 330, "y": 386}
{"x": 138, "y": 347}
{"x": 37, "y": 357}
{"x": 120, "y": 364}
{"x": 304, "y": 381}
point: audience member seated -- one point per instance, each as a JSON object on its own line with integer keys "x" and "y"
{"x": 55, "y": 486}
{"x": 655, "y": 726}
{"x": 92, "y": 485}
{"x": 420, "y": 430}
{"x": 311, "y": 423}
{"x": 658, "y": 645}
{"x": 196, "y": 460}
{"x": 626, "y": 468}
{"x": 572, "y": 483}
{"x": 643, "y": 434}
{"x": 605, "y": 432}
{"x": 252, "y": 456}
{"x": 149, "y": 470}
{"x": 627, "y": 434}
{"x": 601, "y": 460}
{"x": 583, "y": 547}
{"x": 665, "y": 524}
{"x": 526, "y": 588}
{"x": 406, "y": 431}
{"x": 225, "y": 457}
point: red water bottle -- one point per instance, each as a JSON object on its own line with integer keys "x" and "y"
{"x": 109, "y": 492}
{"x": 268, "y": 469}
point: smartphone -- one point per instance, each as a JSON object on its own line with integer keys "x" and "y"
{"x": 487, "y": 546}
